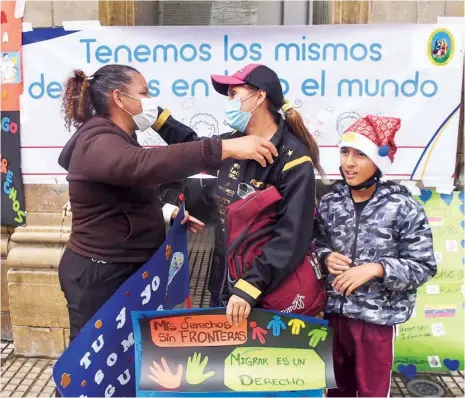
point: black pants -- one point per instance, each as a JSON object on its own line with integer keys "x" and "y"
{"x": 88, "y": 284}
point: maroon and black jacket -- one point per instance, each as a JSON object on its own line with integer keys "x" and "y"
{"x": 293, "y": 175}
{"x": 113, "y": 188}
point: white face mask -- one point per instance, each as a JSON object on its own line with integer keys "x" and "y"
{"x": 149, "y": 114}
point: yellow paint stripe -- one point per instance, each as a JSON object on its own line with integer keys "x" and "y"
{"x": 161, "y": 120}
{"x": 435, "y": 142}
{"x": 246, "y": 287}
{"x": 296, "y": 162}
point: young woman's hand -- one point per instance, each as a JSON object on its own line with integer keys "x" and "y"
{"x": 193, "y": 225}
{"x": 250, "y": 147}
{"x": 337, "y": 263}
{"x": 237, "y": 310}
{"x": 357, "y": 276}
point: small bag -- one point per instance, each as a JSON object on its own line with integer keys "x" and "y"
{"x": 249, "y": 226}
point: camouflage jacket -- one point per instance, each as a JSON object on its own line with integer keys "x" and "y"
{"x": 392, "y": 230}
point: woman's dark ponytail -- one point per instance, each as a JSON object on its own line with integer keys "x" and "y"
{"x": 77, "y": 103}
{"x": 298, "y": 128}
{"x": 85, "y": 96}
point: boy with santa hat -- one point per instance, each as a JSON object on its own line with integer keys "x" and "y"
{"x": 376, "y": 243}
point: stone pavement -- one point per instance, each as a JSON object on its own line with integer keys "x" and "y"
{"x": 32, "y": 377}
{"x": 25, "y": 377}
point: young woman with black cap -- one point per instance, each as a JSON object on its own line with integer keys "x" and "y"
{"x": 255, "y": 99}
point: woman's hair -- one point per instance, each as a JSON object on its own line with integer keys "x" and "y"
{"x": 298, "y": 128}
{"x": 87, "y": 96}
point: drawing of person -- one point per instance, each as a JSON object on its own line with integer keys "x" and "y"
{"x": 204, "y": 124}
{"x": 9, "y": 68}
{"x": 277, "y": 324}
{"x": 259, "y": 332}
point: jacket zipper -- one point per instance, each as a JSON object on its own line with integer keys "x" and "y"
{"x": 225, "y": 273}
{"x": 354, "y": 252}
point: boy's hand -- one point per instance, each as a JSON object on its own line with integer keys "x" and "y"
{"x": 337, "y": 263}
{"x": 355, "y": 277}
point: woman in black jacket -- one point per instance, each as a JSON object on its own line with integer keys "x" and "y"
{"x": 255, "y": 99}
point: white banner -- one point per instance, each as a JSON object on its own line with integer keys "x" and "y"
{"x": 334, "y": 75}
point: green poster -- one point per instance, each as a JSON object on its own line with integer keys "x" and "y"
{"x": 432, "y": 340}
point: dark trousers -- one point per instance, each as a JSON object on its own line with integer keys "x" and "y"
{"x": 215, "y": 302}
{"x": 363, "y": 355}
{"x": 87, "y": 284}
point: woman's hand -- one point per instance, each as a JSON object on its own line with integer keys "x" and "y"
{"x": 237, "y": 310}
{"x": 193, "y": 224}
{"x": 337, "y": 263}
{"x": 249, "y": 147}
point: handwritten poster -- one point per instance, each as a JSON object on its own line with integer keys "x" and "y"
{"x": 13, "y": 211}
{"x": 199, "y": 351}
{"x": 100, "y": 360}
{"x": 432, "y": 340}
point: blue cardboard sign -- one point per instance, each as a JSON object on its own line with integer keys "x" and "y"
{"x": 100, "y": 360}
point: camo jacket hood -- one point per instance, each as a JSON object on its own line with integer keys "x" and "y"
{"x": 392, "y": 230}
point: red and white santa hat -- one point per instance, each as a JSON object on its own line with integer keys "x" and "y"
{"x": 374, "y": 136}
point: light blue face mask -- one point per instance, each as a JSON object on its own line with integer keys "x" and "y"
{"x": 237, "y": 119}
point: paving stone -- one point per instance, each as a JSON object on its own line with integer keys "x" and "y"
{"x": 6, "y": 393}
{"x": 36, "y": 390}
{"x": 22, "y": 388}
{"x": 6, "y": 365}
{"x": 8, "y": 387}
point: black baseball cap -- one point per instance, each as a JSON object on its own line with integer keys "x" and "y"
{"x": 257, "y": 75}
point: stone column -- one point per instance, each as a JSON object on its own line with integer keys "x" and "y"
{"x": 39, "y": 318}
{"x": 128, "y": 13}
{"x": 340, "y": 12}
{"x": 5, "y": 310}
